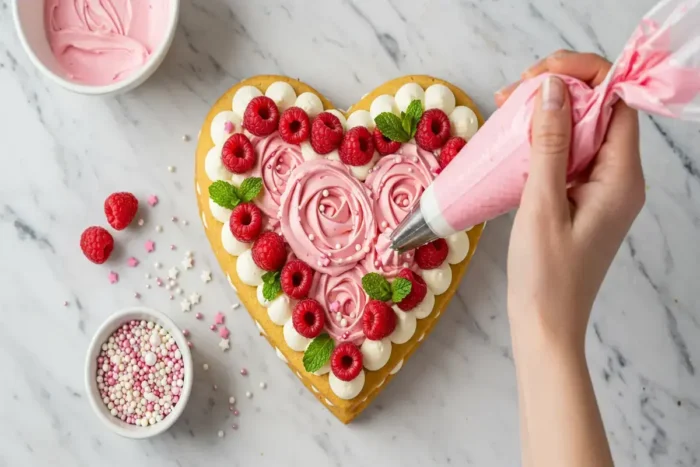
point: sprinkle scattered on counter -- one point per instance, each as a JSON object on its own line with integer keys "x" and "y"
{"x": 152, "y": 200}
{"x": 171, "y": 168}
{"x": 224, "y": 344}
{"x": 132, "y": 262}
{"x": 113, "y": 277}
{"x": 249, "y": 394}
{"x": 244, "y": 372}
{"x": 263, "y": 385}
{"x": 159, "y": 228}
{"x": 140, "y": 222}
{"x": 205, "y": 367}
{"x": 206, "y": 276}
{"x": 150, "y": 246}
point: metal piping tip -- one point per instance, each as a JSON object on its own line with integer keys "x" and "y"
{"x": 412, "y": 232}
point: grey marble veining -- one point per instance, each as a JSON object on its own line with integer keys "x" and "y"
{"x": 455, "y": 401}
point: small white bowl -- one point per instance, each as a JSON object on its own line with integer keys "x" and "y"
{"x": 29, "y": 21}
{"x": 108, "y": 327}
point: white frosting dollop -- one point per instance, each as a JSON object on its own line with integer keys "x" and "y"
{"x": 283, "y": 94}
{"x": 230, "y": 243}
{"x": 361, "y": 172}
{"x": 375, "y": 354}
{"x": 439, "y": 96}
{"x": 243, "y": 97}
{"x": 383, "y": 103}
{"x": 311, "y": 104}
{"x": 323, "y": 370}
{"x": 458, "y": 244}
{"x": 438, "y": 279}
{"x": 294, "y": 340}
{"x": 361, "y": 118}
{"x": 213, "y": 166}
{"x": 261, "y": 298}
{"x": 347, "y": 389}
{"x": 425, "y": 307}
{"x": 463, "y": 122}
{"x": 408, "y": 93}
{"x": 247, "y": 270}
{"x": 280, "y": 310}
{"x": 341, "y": 117}
{"x": 405, "y": 327}
{"x": 218, "y": 126}
{"x": 396, "y": 368}
{"x": 220, "y": 213}
{"x": 308, "y": 153}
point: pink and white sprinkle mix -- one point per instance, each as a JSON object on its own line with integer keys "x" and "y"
{"x": 140, "y": 373}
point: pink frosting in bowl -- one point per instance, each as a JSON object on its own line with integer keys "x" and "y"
{"x": 327, "y": 216}
{"x": 342, "y": 298}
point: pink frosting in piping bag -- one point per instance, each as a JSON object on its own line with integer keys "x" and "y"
{"x": 100, "y": 42}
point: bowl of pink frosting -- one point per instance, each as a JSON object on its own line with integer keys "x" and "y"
{"x": 98, "y": 47}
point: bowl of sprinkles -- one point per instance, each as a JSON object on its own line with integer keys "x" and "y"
{"x": 138, "y": 372}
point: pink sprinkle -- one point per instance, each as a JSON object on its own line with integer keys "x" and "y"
{"x": 174, "y": 219}
{"x": 140, "y": 222}
{"x": 113, "y": 277}
{"x": 150, "y": 245}
{"x": 244, "y": 371}
{"x": 335, "y": 306}
{"x": 213, "y": 327}
{"x": 172, "y": 247}
{"x": 224, "y": 332}
{"x": 228, "y": 127}
{"x": 159, "y": 282}
{"x": 185, "y": 332}
{"x": 199, "y": 316}
{"x": 234, "y": 426}
{"x": 137, "y": 295}
{"x": 215, "y": 387}
{"x": 219, "y": 318}
{"x": 65, "y": 302}
{"x": 236, "y": 413}
{"x": 190, "y": 344}
{"x": 132, "y": 262}
{"x": 171, "y": 297}
{"x": 153, "y": 200}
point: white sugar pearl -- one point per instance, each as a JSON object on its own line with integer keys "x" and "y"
{"x": 358, "y": 247}
{"x": 249, "y": 394}
{"x": 325, "y": 193}
{"x": 321, "y": 208}
{"x": 150, "y": 359}
{"x": 263, "y": 385}
{"x": 205, "y": 367}
{"x": 231, "y": 400}
{"x": 221, "y": 434}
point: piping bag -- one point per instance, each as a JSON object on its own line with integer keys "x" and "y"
{"x": 658, "y": 72}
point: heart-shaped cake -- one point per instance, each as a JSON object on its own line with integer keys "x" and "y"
{"x": 298, "y": 200}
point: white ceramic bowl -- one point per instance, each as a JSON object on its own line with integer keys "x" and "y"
{"x": 29, "y": 21}
{"x": 108, "y": 327}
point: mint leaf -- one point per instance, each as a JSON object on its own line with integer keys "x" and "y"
{"x": 224, "y": 194}
{"x": 376, "y": 286}
{"x": 270, "y": 277}
{"x": 250, "y": 188}
{"x": 391, "y": 127}
{"x": 318, "y": 353}
{"x": 414, "y": 112}
{"x": 271, "y": 290}
{"x": 400, "y": 288}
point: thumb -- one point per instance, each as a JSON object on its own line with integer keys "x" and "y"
{"x": 551, "y": 140}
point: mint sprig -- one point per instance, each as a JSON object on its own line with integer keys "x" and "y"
{"x": 402, "y": 128}
{"x": 400, "y": 288}
{"x": 376, "y": 286}
{"x": 272, "y": 286}
{"x": 318, "y": 353}
{"x": 229, "y": 196}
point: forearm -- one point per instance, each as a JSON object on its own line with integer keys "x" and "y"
{"x": 560, "y": 421}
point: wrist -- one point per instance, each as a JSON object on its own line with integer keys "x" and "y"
{"x": 534, "y": 331}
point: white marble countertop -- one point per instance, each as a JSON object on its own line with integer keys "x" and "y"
{"x": 455, "y": 401}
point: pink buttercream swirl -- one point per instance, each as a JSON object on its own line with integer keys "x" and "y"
{"x": 343, "y": 301}
{"x": 277, "y": 160}
{"x": 397, "y": 183}
{"x": 384, "y": 260}
{"x": 327, "y": 216}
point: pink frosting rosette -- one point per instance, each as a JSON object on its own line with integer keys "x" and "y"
{"x": 327, "y": 216}
{"x": 277, "y": 160}
{"x": 397, "y": 183}
{"x": 385, "y": 261}
{"x": 343, "y": 301}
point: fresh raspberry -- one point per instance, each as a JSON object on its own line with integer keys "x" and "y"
{"x": 308, "y": 318}
{"x": 269, "y": 252}
{"x": 346, "y": 361}
{"x": 294, "y": 125}
{"x": 418, "y": 290}
{"x": 246, "y": 222}
{"x": 296, "y": 279}
{"x": 378, "y": 320}
{"x": 432, "y": 255}
{"x": 261, "y": 116}
{"x": 433, "y": 130}
{"x": 357, "y": 147}
{"x": 238, "y": 155}
{"x": 120, "y": 209}
{"x": 326, "y": 133}
{"x": 384, "y": 145}
{"x": 450, "y": 150}
{"x": 97, "y": 244}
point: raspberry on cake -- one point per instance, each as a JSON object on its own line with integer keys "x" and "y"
{"x": 296, "y": 279}
{"x": 294, "y": 125}
{"x": 269, "y": 252}
{"x": 238, "y": 155}
{"x": 450, "y": 150}
{"x": 357, "y": 147}
{"x": 418, "y": 290}
{"x": 308, "y": 318}
{"x": 384, "y": 145}
{"x": 261, "y": 116}
{"x": 378, "y": 320}
{"x": 326, "y": 133}
{"x": 246, "y": 222}
{"x": 433, "y": 130}
{"x": 432, "y": 255}
{"x": 346, "y": 361}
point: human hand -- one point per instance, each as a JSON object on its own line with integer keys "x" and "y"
{"x": 564, "y": 238}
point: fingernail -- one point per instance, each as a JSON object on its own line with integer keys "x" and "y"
{"x": 552, "y": 93}
{"x": 508, "y": 88}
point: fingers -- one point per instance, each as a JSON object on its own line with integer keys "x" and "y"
{"x": 587, "y": 67}
{"x": 551, "y": 138}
